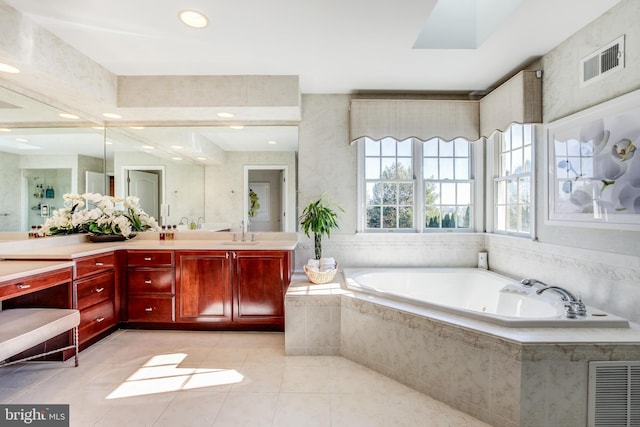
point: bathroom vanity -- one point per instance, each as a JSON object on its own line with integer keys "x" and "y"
{"x": 203, "y": 281}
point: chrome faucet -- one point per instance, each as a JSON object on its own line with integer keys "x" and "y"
{"x": 244, "y": 233}
{"x": 199, "y": 225}
{"x": 530, "y": 282}
{"x": 573, "y": 305}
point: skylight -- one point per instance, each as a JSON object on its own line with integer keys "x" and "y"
{"x": 463, "y": 24}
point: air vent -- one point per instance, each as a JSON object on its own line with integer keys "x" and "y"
{"x": 603, "y": 62}
{"x": 614, "y": 394}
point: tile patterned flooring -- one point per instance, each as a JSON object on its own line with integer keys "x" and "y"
{"x": 173, "y": 378}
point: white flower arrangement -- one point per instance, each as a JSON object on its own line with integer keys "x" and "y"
{"x": 103, "y": 215}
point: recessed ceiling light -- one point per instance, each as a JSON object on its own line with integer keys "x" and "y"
{"x": 148, "y": 147}
{"x": 22, "y": 140}
{"x": 108, "y": 143}
{"x": 225, "y": 115}
{"x": 177, "y": 158}
{"x": 237, "y": 127}
{"x": 5, "y": 130}
{"x": 112, "y": 115}
{"x": 193, "y": 18}
{"x": 272, "y": 142}
{"x": 6, "y": 68}
{"x": 69, "y": 116}
{"x": 177, "y": 147}
{"x": 201, "y": 158}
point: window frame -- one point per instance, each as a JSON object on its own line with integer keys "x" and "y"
{"x": 419, "y": 205}
{"x": 496, "y": 179}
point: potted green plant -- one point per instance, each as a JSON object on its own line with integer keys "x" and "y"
{"x": 319, "y": 217}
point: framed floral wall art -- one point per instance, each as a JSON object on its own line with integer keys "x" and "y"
{"x": 593, "y": 160}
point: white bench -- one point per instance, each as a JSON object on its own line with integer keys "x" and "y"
{"x": 23, "y": 328}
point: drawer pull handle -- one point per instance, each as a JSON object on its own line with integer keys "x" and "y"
{"x": 99, "y": 264}
{"x": 24, "y": 286}
{"x": 148, "y": 309}
{"x": 99, "y": 319}
{"x": 148, "y": 281}
{"x": 98, "y": 290}
{"x": 147, "y": 258}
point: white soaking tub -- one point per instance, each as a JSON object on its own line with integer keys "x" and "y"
{"x": 474, "y": 293}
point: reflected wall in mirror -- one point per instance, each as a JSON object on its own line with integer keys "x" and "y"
{"x": 201, "y": 170}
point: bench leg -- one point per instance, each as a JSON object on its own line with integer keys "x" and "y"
{"x": 76, "y": 344}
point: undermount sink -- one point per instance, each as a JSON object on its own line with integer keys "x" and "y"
{"x": 240, "y": 242}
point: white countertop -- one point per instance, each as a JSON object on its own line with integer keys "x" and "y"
{"x": 11, "y": 270}
{"x": 76, "y": 246}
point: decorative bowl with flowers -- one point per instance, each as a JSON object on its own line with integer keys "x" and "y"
{"x": 102, "y": 217}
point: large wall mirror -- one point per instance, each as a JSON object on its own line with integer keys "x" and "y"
{"x": 208, "y": 177}
{"x": 43, "y": 155}
{"x": 204, "y": 177}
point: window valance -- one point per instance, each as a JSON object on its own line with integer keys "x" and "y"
{"x": 518, "y": 100}
{"x": 422, "y": 119}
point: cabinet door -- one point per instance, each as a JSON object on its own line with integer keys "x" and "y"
{"x": 203, "y": 286}
{"x": 261, "y": 279}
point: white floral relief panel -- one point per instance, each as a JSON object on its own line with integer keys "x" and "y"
{"x": 594, "y": 165}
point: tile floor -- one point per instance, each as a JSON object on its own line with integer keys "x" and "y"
{"x": 171, "y": 378}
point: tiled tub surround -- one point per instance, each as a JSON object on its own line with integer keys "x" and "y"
{"x": 504, "y": 376}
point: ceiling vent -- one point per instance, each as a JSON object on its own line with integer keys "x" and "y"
{"x": 603, "y": 62}
{"x": 614, "y": 394}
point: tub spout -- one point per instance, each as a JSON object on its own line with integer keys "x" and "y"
{"x": 529, "y": 282}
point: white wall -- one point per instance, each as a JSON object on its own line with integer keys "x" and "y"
{"x": 184, "y": 183}
{"x": 10, "y": 185}
{"x": 224, "y": 185}
{"x": 562, "y": 95}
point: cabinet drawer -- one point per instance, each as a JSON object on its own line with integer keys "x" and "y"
{"x": 151, "y": 309}
{"x": 34, "y": 283}
{"x": 150, "y": 258}
{"x": 96, "y": 319}
{"x": 95, "y": 289}
{"x": 157, "y": 280}
{"x": 94, "y": 264}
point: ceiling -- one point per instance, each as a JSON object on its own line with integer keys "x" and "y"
{"x": 334, "y": 46}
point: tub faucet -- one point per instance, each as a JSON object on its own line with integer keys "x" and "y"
{"x": 573, "y": 305}
{"x": 529, "y": 282}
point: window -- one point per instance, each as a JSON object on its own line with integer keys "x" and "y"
{"x": 396, "y": 200}
{"x": 389, "y": 184}
{"x": 513, "y": 181}
{"x": 447, "y": 184}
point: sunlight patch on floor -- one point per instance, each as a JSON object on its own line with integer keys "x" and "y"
{"x": 161, "y": 374}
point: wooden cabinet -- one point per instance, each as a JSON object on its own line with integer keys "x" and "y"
{"x": 260, "y": 282}
{"x": 95, "y": 292}
{"x": 232, "y": 289}
{"x": 150, "y": 286}
{"x": 204, "y": 286}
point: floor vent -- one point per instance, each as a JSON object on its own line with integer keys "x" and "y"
{"x": 603, "y": 62}
{"x": 614, "y": 394}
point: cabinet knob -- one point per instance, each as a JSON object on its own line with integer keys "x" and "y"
{"x": 21, "y": 286}
{"x": 99, "y": 264}
{"x": 98, "y": 290}
{"x": 99, "y": 319}
{"x": 147, "y": 258}
{"x": 147, "y": 281}
{"x": 148, "y": 309}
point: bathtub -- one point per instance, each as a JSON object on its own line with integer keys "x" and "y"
{"x": 472, "y": 293}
